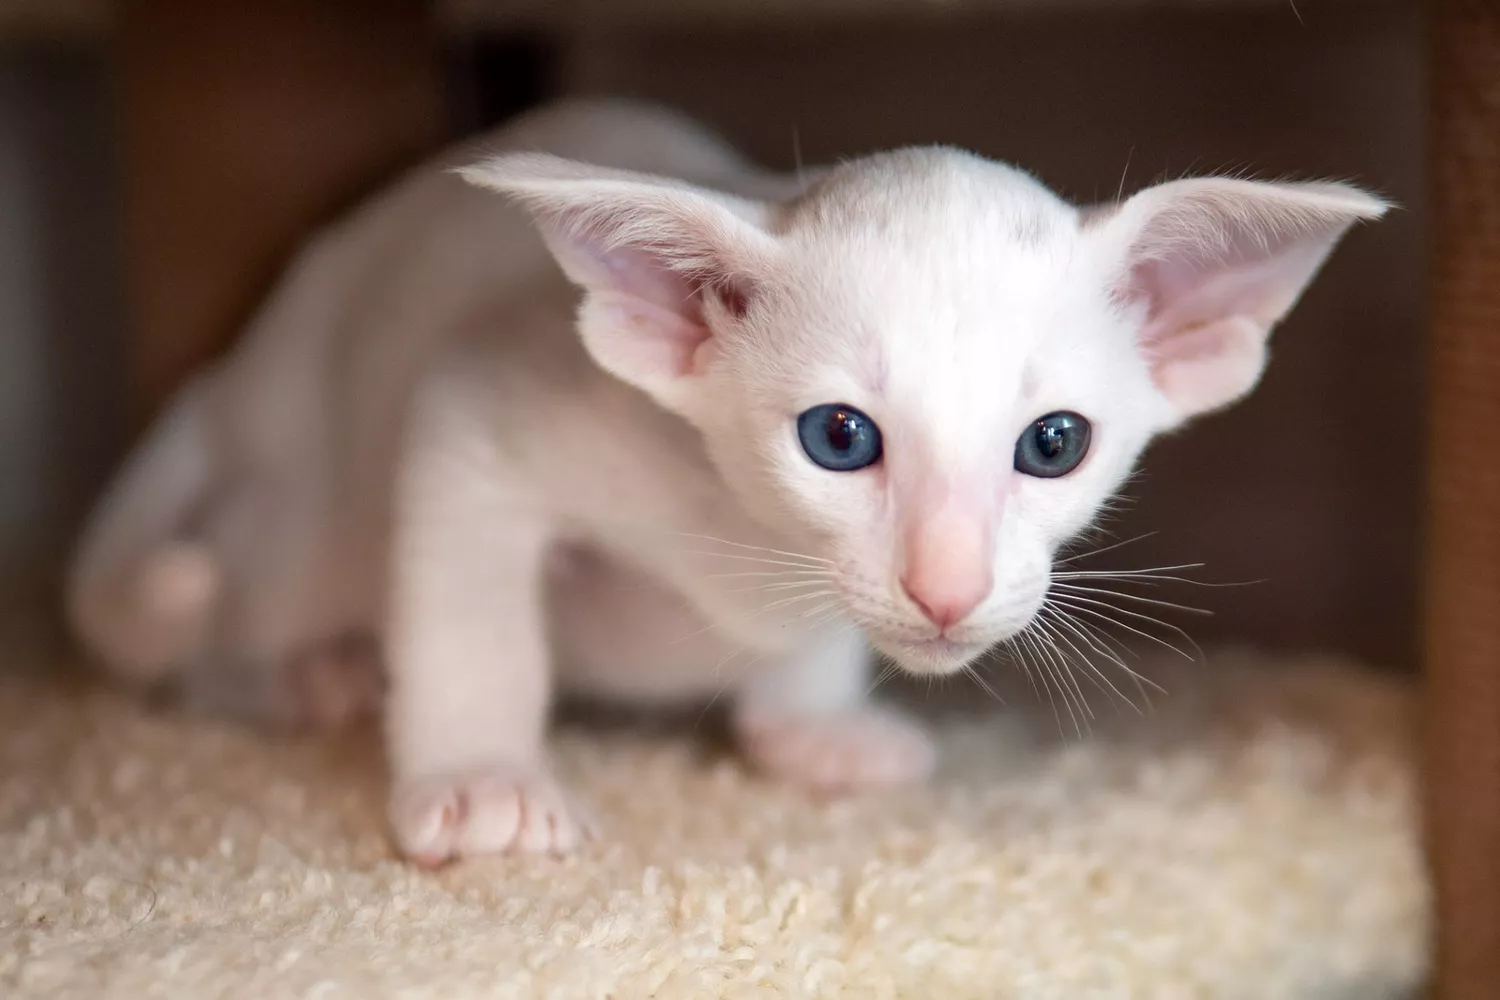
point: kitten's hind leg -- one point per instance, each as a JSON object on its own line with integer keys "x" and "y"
{"x": 323, "y": 685}
{"x": 338, "y": 681}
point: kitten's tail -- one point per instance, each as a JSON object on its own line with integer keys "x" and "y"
{"x": 140, "y": 591}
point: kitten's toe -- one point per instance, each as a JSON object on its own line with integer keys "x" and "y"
{"x": 495, "y": 810}
{"x": 866, "y": 748}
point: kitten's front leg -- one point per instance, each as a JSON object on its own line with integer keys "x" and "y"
{"x": 469, "y": 666}
{"x": 809, "y": 720}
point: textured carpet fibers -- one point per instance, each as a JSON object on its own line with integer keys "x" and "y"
{"x": 1252, "y": 836}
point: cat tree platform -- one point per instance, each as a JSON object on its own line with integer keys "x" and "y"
{"x": 1255, "y": 836}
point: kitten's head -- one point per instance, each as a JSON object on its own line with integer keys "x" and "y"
{"x": 928, "y": 368}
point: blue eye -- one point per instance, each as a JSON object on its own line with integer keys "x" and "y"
{"x": 839, "y": 437}
{"x": 1053, "y": 445}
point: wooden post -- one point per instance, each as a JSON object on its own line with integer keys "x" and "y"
{"x": 244, "y": 124}
{"x": 1463, "y": 531}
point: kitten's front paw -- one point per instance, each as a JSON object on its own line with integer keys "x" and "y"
{"x": 493, "y": 810}
{"x": 865, "y": 748}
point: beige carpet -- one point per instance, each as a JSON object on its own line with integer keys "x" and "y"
{"x": 1253, "y": 837}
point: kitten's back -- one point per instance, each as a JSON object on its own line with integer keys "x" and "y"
{"x": 313, "y": 390}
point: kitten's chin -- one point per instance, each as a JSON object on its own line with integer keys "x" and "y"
{"x": 931, "y": 657}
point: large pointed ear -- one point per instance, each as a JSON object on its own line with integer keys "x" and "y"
{"x": 1212, "y": 265}
{"x": 666, "y": 267}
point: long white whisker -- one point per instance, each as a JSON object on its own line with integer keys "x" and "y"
{"x": 1148, "y": 578}
{"x": 1048, "y": 658}
{"x": 1097, "y": 675}
{"x": 753, "y": 548}
{"x": 1015, "y": 652}
{"x": 823, "y": 573}
{"x": 1023, "y": 643}
{"x": 889, "y": 668}
{"x": 1095, "y": 638}
{"x": 1143, "y": 571}
{"x": 1108, "y": 548}
{"x": 1060, "y": 614}
{"x": 763, "y": 587}
{"x": 1074, "y": 601}
{"x": 979, "y": 679}
{"x": 1075, "y": 588}
{"x": 826, "y": 606}
{"x": 783, "y": 602}
{"x": 1052, "y": 626}
{"x": 1036, "y": 655}
{"x": 1067, "y": 602}
{"x": 754, "y": 614}
{"x": 725, "y": 686}
{"x": 752, "y": 559}
{"x": 1108, "y": 642}
{"x": 1065, "y": 665}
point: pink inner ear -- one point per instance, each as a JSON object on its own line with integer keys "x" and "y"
{"x": 1208, "y": 314}
{"x": 658, "y": 312}
{"x": 654, "y": 282}
{"x": 643, "y": 337}
{"x": 1207, "y": 366}
{"x": 640, "y": 274}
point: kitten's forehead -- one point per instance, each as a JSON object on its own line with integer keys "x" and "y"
{"x": 935, "y": 265}
{"x": 916, "y": 193}
{"x": 940, "y": 290}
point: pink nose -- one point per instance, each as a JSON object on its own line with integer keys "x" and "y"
{"x": 946, "y": 600}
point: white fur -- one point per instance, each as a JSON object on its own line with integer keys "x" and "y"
{"x": 428, "y": 436}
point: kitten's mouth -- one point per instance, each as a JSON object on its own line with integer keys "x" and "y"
{"x": 937, "y": 655}
{"x": 943, "y": 645}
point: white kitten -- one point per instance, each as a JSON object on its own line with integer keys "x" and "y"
{"x": 781, "y": 423}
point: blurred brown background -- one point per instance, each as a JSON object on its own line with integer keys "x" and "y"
{"x": 1312, "y": 486}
